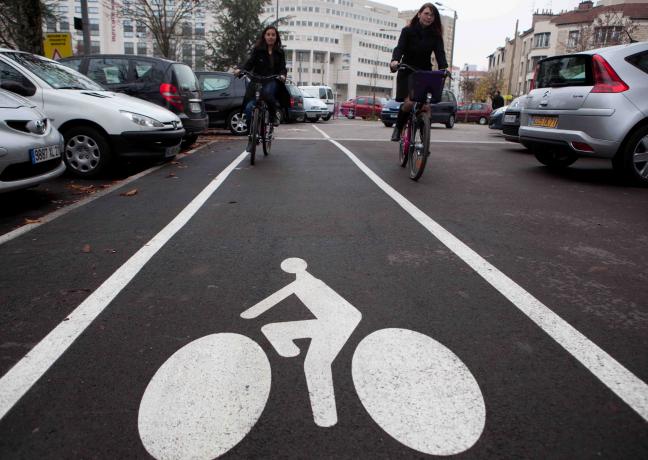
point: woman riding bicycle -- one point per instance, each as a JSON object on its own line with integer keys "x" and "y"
{"x": 267, "y": 58}
{"x": 416, "y": 43}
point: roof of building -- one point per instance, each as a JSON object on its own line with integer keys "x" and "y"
{"x": 630, "y": 10}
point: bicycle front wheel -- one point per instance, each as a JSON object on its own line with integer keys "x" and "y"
{"x": 205, "y": 398}
{"x": 405, "y": 142}
{"x": 267, "y": 129}
{"x": 420, "y": 146}
{"x": 254, "y": 133}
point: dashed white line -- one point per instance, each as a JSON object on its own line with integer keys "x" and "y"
{"x": 620, "y": 380}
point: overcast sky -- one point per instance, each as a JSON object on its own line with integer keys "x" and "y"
{"x": 483, "y": 25}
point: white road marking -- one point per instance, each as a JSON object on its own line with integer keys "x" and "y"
{"x": 205, "y": 398}
{"x": 20, "y": 378}
{"x": 617, "y": 378}
{"x": 357, "y": 139}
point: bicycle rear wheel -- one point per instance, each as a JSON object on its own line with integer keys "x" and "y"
{"x": 254, "y": 133}
{"x": 420, "y": 148}
{"x": 267, "y": 130}
{"x": 405, "y": 143}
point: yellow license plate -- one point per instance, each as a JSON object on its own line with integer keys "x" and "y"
{"x": 544, "y": 122}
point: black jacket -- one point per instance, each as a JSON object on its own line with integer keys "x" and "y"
{"x": 261, "y": 64}
{"x": 416, "y": 45}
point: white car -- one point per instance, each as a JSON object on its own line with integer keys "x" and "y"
{"x": 314, "y": 107}
{"x": 30, "y": 146}
{"x": 97, "y": 124}
{"x": 325, "y": 94}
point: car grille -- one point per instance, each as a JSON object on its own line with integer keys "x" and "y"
{"x": 19, "y": 171}
{"x": 511, "y": 130}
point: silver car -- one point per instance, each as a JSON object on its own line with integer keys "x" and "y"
{"x": 30, "y": 145}
{"x": 594, "y": 104}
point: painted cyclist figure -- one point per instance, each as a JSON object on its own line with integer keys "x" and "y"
{"x": 266, "y": 58}
{"x": 417, "y": 42}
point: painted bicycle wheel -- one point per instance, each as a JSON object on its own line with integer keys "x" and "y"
{"x": 205, "y": 398}
{"x": 418, "y": 391}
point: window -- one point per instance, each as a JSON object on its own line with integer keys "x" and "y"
{"x": 73, "y": 64}
{"x": 639, "y": 60}
{"x": 145, "y": 71}
{"x": 571, "y": 70}
{"x": 129, "y": 48}
{"x": 608, "y": 35}
{"x": 141, "y": 49}
{"x": 216, "y": 82}
{"x": 9, "y": 74}
{"x": 541, "y": 40}
{"x": 573, "y": 38}
{"x": 108, "y": 71}
{"x": 187, "y": 53}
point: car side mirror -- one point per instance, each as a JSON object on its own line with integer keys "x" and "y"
{"x": 18, "y": 88}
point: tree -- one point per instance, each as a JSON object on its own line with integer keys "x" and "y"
{"x": 163, "y": 19}
{"x": 21, "y": 24}
{"x": 237, "y": 28}
{"x": 488, "y": 86}
{"x": 609, "y": 28}
{"x": 467, "y": 87}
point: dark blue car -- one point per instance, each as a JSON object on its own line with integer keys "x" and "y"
{"x": 444, "y": 112}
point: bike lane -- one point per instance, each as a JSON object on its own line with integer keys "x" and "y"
{"x": 309, "y": 201}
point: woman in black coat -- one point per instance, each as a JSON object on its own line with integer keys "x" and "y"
{"x": 422, "y": 37}
{"x": 267, "y": 58}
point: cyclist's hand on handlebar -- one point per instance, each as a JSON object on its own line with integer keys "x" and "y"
{"x": 393, "y": 66}
{"x": 282, "y": 78}
{"x": 237, "y": 73}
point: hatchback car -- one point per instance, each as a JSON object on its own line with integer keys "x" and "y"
{"x": 223, "y": 94}
{"x": 443, "y": 112}
{"x": 474, "y": 112}
{"x": 30, "y": 145}
{"x": 314, "y": 108}
{"x": 362, "y": 106}
{"x": 511, "y": 119}
{"x": 594, "y": 104}
{"x": 325, "y": 94}
{"x": 295, "y": 112}
{"x": 97, "y": 125}
{"x": 496, "y": 118}
{"x": 170, "y": 84}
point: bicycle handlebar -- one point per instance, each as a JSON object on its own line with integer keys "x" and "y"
{"x": 258, "y": 78}
{"x": 403, "y": 66}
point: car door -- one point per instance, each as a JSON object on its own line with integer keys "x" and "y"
{"x": 361, "y": 107}
{"x": 147, "y": 77}
{"x": 220, "y": 96}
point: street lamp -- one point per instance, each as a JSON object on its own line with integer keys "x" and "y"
{"x": 454, "y": 30}
{"x": 277, "y": 20}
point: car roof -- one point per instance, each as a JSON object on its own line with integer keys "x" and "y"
{"x": 625, "y": 49}
{"x": 128, "y": 56}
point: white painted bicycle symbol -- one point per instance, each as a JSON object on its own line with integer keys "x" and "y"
{"x": 209, "y": 394}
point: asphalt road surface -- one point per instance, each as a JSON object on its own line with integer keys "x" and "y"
{"x": 322, "y": 305}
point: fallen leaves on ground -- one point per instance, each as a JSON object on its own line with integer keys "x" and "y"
{"x": 32, "y": 221}
{"x": 79, "y": 189}
{"x": 86, "y": 248}
{"x": 129, "y": 193}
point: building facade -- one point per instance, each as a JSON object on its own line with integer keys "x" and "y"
{"x": 586, "y": 27}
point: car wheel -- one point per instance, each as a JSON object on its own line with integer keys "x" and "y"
{"x": 555, "y": 158}
{"x": 632, "y": 162}
{"x": 350, "y": 115}
{"x": 280, "y": 116}
{"x": 188, "y": 140}
{"x": 236, "y": 123}
{"x": 327, "y": 117}
{"x": 482, "y": 120}
{"x": 389, "y": 125}
{"x": 87, "y": 151}
{"x": 451, "y": 122}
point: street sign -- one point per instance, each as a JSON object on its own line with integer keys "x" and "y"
{"x": 57, "y": 46}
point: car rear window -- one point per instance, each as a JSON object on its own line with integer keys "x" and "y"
{"x": 185, "y": 77}
{"x": 560, "y": 71}
{"x": 639, "y": 60}
{"x": 215, "y": 82}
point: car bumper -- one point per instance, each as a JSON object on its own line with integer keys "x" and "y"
{"x": 21, "y": 175}
{"x": 195, "y": 125}
{"x": 296, "y": 115}
{"x": 565, "y": 139}
{"x": 147, "y": 143}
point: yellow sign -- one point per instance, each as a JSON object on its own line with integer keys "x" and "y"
{"x": 57, "y": 46}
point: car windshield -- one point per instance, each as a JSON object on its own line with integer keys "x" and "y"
{"x": 56, "y": 75}
{"x": 185, "y": 77}
{"x": 310, "y": 92}
{"x": 560, "y": 71}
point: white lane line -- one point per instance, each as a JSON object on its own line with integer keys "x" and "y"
{"x": 620, "y": 380}
{"x": 357, "y": 139}
{"x": 56, "y": 214}
{"x": 20, "y": 378}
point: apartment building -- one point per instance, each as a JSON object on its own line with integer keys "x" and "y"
{"x": 585, "y": 27}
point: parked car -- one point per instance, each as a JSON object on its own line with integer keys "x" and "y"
{"x": 30, "y": 145}
{"x": 511, "y": 120}
{"x": 474, "y": 112}
{"x": 593, "y": 103}
{"x": 314, "y": 108}
{"x": 325, "y": 93}
{"x": 296, "y": 110}
{"x": 223, "y": 94}
{"x": 362, "y": 106}
{"x": 444, "y": 112}
{"x": 96, "y": 124}
{"x": 496, "y": 118}
{"x": 171, "y": 84}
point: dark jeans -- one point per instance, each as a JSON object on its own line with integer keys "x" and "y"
{"x": 268, "y": 93}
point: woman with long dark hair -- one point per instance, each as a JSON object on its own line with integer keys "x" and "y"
{"x": 418, "y": 40}
{"x": 267, "y": 58}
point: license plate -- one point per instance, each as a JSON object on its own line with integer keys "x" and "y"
{"x": 195, "y": 107}
{"x": 543, "y": 122}
{"x": 44, "y": 153}
{"x": 394, "y": 115}
{"x": 509, "y": 118}
{"x": 171, "y": 151}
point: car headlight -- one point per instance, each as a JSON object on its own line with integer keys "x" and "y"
{"x": 142, "y": 120}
